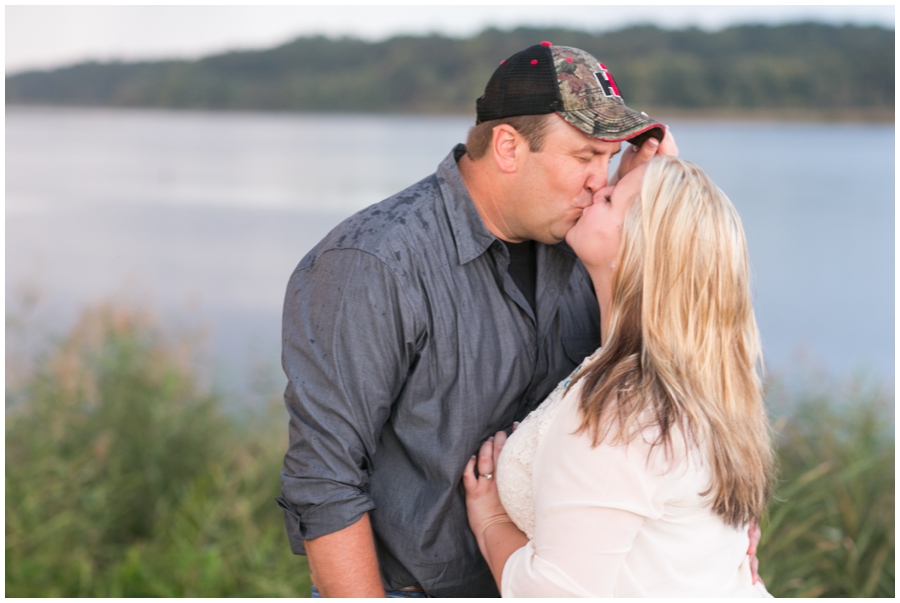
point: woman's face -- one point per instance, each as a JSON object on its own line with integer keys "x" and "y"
{"x": 596, "y": 236}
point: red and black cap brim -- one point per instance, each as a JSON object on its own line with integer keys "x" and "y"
{"x": 615, "y": 123}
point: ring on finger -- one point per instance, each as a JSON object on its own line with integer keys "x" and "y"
{"x": 487, "y": 475}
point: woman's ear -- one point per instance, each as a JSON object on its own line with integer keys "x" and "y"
{"x": 506, "y": 144}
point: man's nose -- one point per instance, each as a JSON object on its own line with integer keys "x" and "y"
{"x": 597, "y": 177}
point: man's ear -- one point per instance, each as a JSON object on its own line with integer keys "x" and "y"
{"x": 506, "y": 145}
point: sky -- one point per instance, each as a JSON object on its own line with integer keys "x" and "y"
{"x": 44, "y": 37}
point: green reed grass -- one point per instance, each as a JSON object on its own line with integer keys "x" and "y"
{"x": 124, "y": 478}
{"x": 830, "y": 529}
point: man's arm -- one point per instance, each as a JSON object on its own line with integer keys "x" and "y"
{"x": 347, "y": 347}
{"x": 344, "y": 564}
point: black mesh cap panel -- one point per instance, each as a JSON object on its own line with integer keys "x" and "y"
{"x": 524, "y": 84}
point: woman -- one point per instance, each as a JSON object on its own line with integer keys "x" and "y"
{"x": 639, "y": 475}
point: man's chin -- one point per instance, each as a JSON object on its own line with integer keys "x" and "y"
{"x": 554, "y": 239}
{"x": 555, "y": 236}
{"x": 565, "y": 236}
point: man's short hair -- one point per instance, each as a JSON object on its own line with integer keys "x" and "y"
{"x": 532, "y": 127}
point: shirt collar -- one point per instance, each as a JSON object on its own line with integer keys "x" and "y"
{"x": 471, "y": 235}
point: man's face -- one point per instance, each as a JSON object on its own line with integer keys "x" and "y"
{"x": 558, "y": 182}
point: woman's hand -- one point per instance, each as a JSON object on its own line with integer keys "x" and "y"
{"x": 635, "y": 156}
{"x": 755, "y": 535}
{"x": 497, "y": 535}
{"x": 482, "y": 500}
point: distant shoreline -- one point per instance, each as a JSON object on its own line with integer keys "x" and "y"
{"x": 875, "y": 115}
{"x": 843, "y": 115}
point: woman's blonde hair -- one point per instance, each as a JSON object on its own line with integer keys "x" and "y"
{"x": 683, "y": 348}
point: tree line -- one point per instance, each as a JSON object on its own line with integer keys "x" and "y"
{"x": 806, "y": 66}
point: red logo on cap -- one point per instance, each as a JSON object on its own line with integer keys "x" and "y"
{"x": 607, "y": 84}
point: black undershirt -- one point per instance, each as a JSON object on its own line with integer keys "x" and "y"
{"x": 523, "y": 269}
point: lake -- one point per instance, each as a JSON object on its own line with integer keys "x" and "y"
{"x": 202, "y": 216}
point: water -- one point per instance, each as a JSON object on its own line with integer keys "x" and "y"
{"x": 203, "y": 216}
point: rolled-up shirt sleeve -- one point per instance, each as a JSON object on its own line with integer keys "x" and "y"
{"x": 348, "y": 343}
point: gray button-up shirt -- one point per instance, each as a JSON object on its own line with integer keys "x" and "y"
{"x": 407, "y": 344}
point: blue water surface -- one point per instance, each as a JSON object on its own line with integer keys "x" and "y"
{"x": 203, "y": 216}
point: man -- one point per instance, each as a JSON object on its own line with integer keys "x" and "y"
{"x": 427, "y": 322}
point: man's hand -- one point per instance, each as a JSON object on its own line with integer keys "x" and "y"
{"x": 636, "y": 156}
{"x": 755, "y": 534}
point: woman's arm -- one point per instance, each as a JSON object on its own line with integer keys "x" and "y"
{"x": 578, "y": 551}
{"x": 590, "y": 504}
{"x": 579, "y": 545}
{"x": 497, "y": 535}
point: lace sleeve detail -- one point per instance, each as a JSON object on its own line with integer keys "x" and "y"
{"x": 514, "y": 466}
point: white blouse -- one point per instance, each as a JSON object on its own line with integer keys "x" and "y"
{"x": 612, "y": 520}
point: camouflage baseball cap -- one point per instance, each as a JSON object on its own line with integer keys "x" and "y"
{"x": 569, "y": 82}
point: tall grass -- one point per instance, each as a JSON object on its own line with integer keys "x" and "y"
{"x": 124, "y": 478}
{"x": 830, "y": 530}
